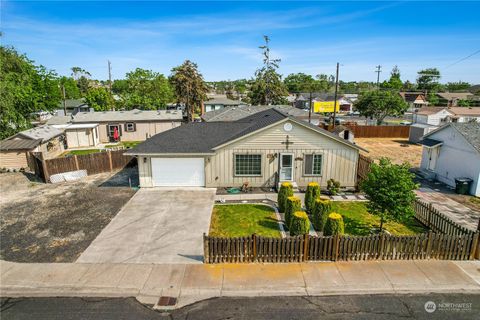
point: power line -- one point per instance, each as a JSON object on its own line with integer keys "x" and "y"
{"x": 463, "y": 59}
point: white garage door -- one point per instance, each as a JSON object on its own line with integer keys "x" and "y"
{"x": 185, "y": 172}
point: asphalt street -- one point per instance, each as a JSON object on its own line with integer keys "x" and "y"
{"x": 431, "y": 306}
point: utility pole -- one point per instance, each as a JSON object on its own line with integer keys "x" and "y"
{"x": 64, "y": 100}
{"x": 379, "y": 69}
{"x": 335, "y": 98}
{"x": 310, "y": 108}
{"x": 110, "y": 81}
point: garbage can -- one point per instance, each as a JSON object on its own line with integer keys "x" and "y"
{"x": 462, "y": 185}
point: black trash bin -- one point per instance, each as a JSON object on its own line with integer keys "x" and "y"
{"x": 462, "y": 185}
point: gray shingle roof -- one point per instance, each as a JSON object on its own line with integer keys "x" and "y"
{"x": 59, "y": 120}
{"x": 130, "y": 115}
{"x": 237, "y": 113}
{"x": 203, "y": 137}
{"x": 44, "y": 133}
{"x": 224, "y": 100}
{"x": 470, "y": 131}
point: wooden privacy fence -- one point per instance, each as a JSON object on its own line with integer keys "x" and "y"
{"x": 93, "y": 163}
{"x": 339, "y": 248}
{"x": 380, "y": 131}
{"x": 436, "y": 221}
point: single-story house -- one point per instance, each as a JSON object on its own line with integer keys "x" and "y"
{"x": 234, "y": 114}
{"x": 73, "y": 106}
{"x": 453, "y": 151}
{"x": 262, "y": 149}
{"x": 131, "y": 125}
{"x": 14, "y": 150}
{"x": 219, "y": 102}
{"x": 451, "y": 99}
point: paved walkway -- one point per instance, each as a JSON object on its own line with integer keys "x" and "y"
{"x": 194, "y": 282}
{"x": 157, "y": 225}
{"x": 456, "y": 211}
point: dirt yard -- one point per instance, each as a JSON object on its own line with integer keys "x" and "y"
{"x": 57, "y": 222}
{"x": 398, "y": 150}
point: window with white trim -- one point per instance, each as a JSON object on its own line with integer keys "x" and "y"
{"x": 129, "y": 126}
{"x": 248, "y": 165}
{"x": 312, "y": 164}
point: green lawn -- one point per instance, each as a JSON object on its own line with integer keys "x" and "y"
{"x": 126, "y": 144}
{"x": 80, "y": 152}
{"x": 359, "y": 222}
{"x": 241, "y": 220}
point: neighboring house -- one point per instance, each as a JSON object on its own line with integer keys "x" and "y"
{"x": 344, "y": 133}
{"x": 219, "y": 102}
{"x": 433, "y": 116}
{"x": 77, "y": 135}
{"x": 132, "y": 125}
{"x": 322, "y": 102}
{"x": 450, "y": 99}
{"x": 73, "y": 107}
{"x": 465, "y": 114}
{"x": 453, "y": 151}
{"x": 234, "y": 114}
{"x": 14, "y": 151}
{"x": 262, "y": 150}
{"x": 415, "y": 100}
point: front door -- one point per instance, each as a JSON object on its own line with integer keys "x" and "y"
{"x": 432, "y": 158}
{"x": 286, "y": 167}
{"x": 112, "y": 137}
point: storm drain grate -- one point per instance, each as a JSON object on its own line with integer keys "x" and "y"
{"x": 166, "y": 301}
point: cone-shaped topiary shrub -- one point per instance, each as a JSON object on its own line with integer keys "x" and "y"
{"x": 299, "y": 224}
{"x": 334, "y": 225}
{"x": 294, "y": 204}
{"x": 320, "y": 212}
{"x": 312, "y": 193}
{"x": 286, "y": 190}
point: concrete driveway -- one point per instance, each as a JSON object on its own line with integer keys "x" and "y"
{"x": 157, "y": 225}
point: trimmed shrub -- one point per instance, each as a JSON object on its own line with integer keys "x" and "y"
{"x": 334, "y": 225}
{"x": 300, "y": 224}
{"x": 321, "y": 210}
{"x": 312, "y": 193}
{"x": 286, "y": 190}
{"x": 333, "y": 186}
{"x": 294, "y": 204}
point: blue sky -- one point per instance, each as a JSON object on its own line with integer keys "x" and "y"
{"x": 223, "y": 37}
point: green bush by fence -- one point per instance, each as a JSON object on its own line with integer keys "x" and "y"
{"x": 321, "y": 210}
{"x": 294, "y": 204}
{"x": 312, "y": 193}
{"x": 334, "y": 225}
{"x": 286, "y": 190}
{"x": 300, "y": 224}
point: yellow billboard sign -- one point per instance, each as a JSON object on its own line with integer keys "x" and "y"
{"x": 325, "y": 106}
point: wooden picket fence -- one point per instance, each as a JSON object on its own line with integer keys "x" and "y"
{"x": 94, "y": 163}
{"x": 436, "y": 221}
{"x": 339, "y": 248}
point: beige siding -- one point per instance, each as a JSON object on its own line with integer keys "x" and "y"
{"x": 142, "y": 131}
{"x": 339, "y": 160}
{"x": 81, "y": 137}
{"x": 13, "y": 159}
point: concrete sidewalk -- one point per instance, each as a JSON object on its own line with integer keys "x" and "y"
{"x": 191, "y": 283}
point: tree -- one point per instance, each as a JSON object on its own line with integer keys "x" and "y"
{"x": 299, "y": 82}
{"x": 394, "y": 83}
{"x": 433, "y": 99}
{"x": 71, "y": 88}
{"x": 147, "y": 90}
{"x": 83, "y": 84}
{"x": 189, "y": 87}
{"x": 78, "y": 73}
{"x": 427, "y": 79}
{"x": 389, "y": 189}
{"x": 24, "y": 89}
{"x": 120, "y": 86}
{"x": 458, "y": 86}
{"x": 380, "y": 104}
{"x": 99, "y": 99}
{"x": 268, "y": 88}
{"x": 464, "y": 103}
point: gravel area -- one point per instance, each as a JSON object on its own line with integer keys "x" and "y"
{"x": 57, "y": 222}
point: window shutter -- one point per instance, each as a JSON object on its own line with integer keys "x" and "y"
{"x": 134, "y": 126}
{"x": 108, "y": 131}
